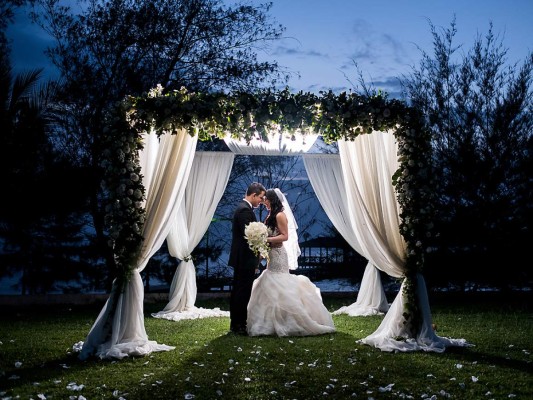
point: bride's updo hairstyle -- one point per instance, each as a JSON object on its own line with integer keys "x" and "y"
{"x": 275, "y": 208}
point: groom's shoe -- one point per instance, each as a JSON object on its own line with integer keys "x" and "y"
{"x": 239, "y": 330}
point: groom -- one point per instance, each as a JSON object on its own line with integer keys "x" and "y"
{"x": 242, "y": 259}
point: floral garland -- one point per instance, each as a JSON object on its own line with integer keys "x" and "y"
{"x": 245, "y": 115}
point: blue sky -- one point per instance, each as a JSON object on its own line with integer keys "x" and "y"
{"x": 382, "y": 36}
{"x": 326, "y": 37}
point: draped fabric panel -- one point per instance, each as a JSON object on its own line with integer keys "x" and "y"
{"x": 325, "y": 174}
{"x": 368, "y": 164}
{"x": 392, "y": 327}
{"x": 205, "y": 187}
{"x": 119, "y": 330}
{"x": 278, "y": 144}
{"x": 371, "y": 298}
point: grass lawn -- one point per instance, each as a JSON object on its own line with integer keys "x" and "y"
{"x": 37, "y": 361}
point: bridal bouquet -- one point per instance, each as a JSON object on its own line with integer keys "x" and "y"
{"x": 256, "y": 234}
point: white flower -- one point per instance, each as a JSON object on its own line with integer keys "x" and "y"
{"x": 256, "y": 234}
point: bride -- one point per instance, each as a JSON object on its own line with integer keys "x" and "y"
{"x": 283, "y": 304}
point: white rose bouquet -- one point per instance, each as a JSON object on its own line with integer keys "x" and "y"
{"x": 256, "y": 234}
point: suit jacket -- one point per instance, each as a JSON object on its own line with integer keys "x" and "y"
{"x": 240, "y": 254}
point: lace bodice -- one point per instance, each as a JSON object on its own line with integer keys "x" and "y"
{"x": 278, "y": 260}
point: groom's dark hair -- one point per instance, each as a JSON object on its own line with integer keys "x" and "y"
{"x": 255, "y": 187}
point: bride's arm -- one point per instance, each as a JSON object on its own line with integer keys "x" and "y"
{"x": 283, "y": 230}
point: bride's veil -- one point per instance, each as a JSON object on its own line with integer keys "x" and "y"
{"x": 291, "y": 244}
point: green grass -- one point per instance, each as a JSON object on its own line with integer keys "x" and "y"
{"x": 209, "y": 364}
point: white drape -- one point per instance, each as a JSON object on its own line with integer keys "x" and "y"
{"x": 368, "y": 164}
{"x": 278, "y": 144}
{"x": 325, "y": 174}
{"x": 165, "y": 164}
{"x": 207, "y": 182}
{"x": 392, "y": 327}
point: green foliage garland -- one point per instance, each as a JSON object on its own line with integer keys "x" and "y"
{"x": 245, "y": 115}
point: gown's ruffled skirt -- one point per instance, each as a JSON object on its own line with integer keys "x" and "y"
{"x": 287, "y": 305}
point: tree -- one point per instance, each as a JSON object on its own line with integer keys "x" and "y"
{"x": 478, "y": 109}
{"x": 108, "y": 49}
{"x": 40, "y": 231}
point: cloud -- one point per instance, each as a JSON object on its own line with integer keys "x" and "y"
{"x": 282, "y": 51}
{"x": 368, "y": 45}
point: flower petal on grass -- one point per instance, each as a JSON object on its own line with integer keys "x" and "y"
{"x": 387, "y": 388}
{"x": 74, "y": 386}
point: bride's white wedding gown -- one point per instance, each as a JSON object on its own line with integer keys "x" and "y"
{"x": 286, "y": 305}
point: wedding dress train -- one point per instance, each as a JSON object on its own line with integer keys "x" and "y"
{"x": 283, "y": 304}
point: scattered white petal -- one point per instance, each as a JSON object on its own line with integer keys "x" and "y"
{"x": 189, "y": 396}
{"x": 474, "y": 378}
{"x": 430, "y": 376}
{"x": 273, "y": 392}
{"x": 13, "y": 377}
{"x": 458, "y": 366}
{"x": 290, "y": 341}
{"x": 64, "y": 366}
{"x": 76, "y": 347}
{"x": 239, "y": 349}
{"x": 511, "y": 346}
{"x": 488, "y": 393}
{"x": 41, "y": 396}
{"x": 219, "y": 392}
{"x": 74, "y": 386}
{"x": 387, "y": 388}
{"x": 511, "y": 396}
{"x": 18, "y": 364}
{"x": 247, "y": 379}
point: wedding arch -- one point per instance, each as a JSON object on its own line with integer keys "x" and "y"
{"x": 150, "y": 153}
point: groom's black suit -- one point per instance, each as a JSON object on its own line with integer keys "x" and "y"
{"x": 244, "y": 263}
